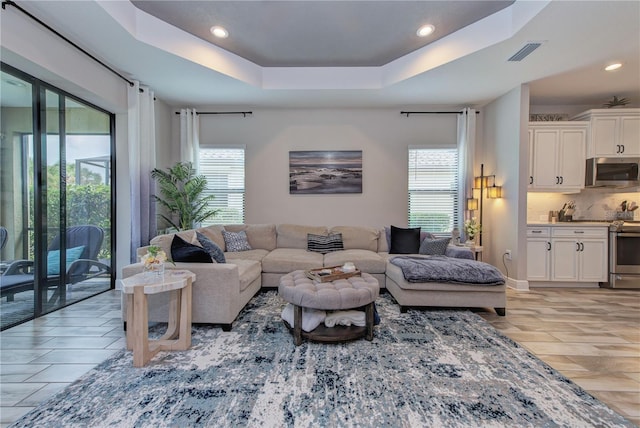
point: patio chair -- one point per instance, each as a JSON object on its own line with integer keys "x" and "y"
{"x": 83, "y": 245}
{"x": 3, "y": 237}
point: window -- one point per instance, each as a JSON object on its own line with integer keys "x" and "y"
{"x": 433, "y": 189}
{"x": 224, "y": 169}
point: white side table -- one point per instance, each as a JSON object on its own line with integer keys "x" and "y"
{"x": 178, "y": 334}
{"x": 477, "y": 250}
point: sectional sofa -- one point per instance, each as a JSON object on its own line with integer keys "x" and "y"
{"x": 221, "y": 290}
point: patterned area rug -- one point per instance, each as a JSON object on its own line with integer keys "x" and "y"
{"x": 423, "y": 368}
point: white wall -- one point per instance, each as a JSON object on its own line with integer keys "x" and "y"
{"x": 505, "y": 153}
{"x": 383, "y": 135}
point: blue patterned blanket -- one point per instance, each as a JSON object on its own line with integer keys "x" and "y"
{"x": 447, "y": 269}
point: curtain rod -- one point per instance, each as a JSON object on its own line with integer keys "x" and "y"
{"x": 243, "y": 113}
{"x": 433, "y": 112}
{"x": 11, "y": 3}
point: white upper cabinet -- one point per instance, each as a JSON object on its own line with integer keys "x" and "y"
{"x": 613, "y": 132}
{"x": 557, "y": 153}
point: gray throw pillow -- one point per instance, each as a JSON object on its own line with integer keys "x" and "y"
{"x": 434, "y": 247}
{"x": 324, "y": 244}
{"x": 236, "y": 241}
{"x": 212, "y": 248}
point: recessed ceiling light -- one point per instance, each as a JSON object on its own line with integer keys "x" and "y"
{"x": 219, "y": 32}
{"x": 612, "y": 67}
{"x": 425, "y": 30}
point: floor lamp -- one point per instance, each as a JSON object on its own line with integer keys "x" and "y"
{"x": 493, "y": 192}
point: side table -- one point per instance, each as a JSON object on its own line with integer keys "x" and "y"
{"x": 178, "y": 334}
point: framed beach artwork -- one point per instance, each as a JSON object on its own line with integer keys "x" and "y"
{"x": 325, "y": 172}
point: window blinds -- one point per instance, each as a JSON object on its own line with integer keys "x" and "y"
{"x": 224, "y": 169}
{"x": 433, "y": 190}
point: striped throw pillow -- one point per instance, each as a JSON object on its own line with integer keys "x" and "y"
{"x": 324, "y": 243}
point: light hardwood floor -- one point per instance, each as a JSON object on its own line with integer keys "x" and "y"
{"x": 592, "y": 336}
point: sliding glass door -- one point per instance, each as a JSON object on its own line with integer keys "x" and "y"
{"x": 56, "y": 193}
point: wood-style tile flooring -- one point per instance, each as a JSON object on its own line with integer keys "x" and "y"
{"x": 591, "y": 335}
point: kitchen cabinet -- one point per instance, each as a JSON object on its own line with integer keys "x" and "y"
{"x": 579, "y": 254}
{"x": 557, "y": 156}
{"x": 567, "y": 254}
{"x": 612, "y": 132}
{"x": 538, "y": 253}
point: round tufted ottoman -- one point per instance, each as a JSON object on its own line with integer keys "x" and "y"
{"x": 341, "y": 294}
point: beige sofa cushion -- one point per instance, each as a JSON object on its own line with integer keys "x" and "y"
{"x": 214, "y": 233}
{"x": 261, "y": 236}
{"x": 256, "y": 255}
{"x": 356, "y": 237}
{"x": 295, "y": 236}
{"x": 365, "y": 260}
{"x": 164, "y": 241}
{"x": 285, "y": 260}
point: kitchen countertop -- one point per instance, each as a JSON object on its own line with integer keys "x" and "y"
{"x": 576, "y": 223}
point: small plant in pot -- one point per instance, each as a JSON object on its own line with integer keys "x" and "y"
{"x": 182, "y": 200}
{"x": 616, "y": 102}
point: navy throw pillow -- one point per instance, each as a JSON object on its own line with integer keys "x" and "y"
{"x": 182, "y": 251}
{"x": 404, "y": 241}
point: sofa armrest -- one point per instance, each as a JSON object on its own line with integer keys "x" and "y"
{"x": 459, "y": 252}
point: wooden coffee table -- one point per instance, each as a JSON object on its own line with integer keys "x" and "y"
{"x": 178, "y": 334}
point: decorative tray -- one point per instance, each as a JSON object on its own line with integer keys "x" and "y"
{"x": 330, "y": 273}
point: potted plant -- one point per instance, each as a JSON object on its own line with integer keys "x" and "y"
{"x": 182, "y": 198}
{"x": 616, "y": 102}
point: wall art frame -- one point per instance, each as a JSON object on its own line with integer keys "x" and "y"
{"x": 324, "y": 172}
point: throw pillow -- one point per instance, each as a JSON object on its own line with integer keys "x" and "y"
{"x": 434, "y": 247}
{"x": 423, "y": 236}
{"x": 53, "y": 259}
{"x": 182, "y": 251}
{"x": 236, "y": 241}
{"x": 324, "y": 243}
{"x": 404, "y": 241}
{"x": 212, "y": 248}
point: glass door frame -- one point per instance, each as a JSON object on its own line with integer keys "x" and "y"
{"x": 39, "y": 125}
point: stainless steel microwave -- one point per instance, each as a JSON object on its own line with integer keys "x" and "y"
{"x": 612, "y": 172}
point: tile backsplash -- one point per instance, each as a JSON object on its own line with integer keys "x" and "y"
{"x": 591, "y": 204}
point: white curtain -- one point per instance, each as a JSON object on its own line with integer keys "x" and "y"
{"x": 142, "y": 159}
{"x": 189, "y": 136}
{"x": 466, "y": 151}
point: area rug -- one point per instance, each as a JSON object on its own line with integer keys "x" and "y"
{"x": 423, "y": 369}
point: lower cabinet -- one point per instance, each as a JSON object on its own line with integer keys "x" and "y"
{"x": 567, "y": 254}
{"x": 538, "y": 254}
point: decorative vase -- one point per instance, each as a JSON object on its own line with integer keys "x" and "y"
{"x": 471, "y": 241}
{"x": 154, "y": 269}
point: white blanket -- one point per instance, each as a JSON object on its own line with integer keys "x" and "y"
{"x": 345, "y": 318}
{"x": 311, "y": 318}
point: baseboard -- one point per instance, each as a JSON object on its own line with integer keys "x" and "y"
{"x": 518, "y": 284}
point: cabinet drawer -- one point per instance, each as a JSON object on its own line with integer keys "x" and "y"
{"x": 538, "y": 232}
{"x": 579, "y": 233}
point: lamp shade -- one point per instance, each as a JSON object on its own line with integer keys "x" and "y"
{"x": 480, "y": 182}
{"x": 494, "y": 192}
{"x": 472, "y": 204}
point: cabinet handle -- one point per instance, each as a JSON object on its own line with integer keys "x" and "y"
{"x": 617, "y": 148}
{"x": 548, "y": 246}
{"x": 577, "y": 246}
{"x": 536, "y": 231}
{"x": 582, "y": 246}
{"x": 557, "y": 180}
{"x": 531, "y": 179}
{"x": 621, "y": 148}
{"x": 561, "y": 179}
{"x": 578, "y": 231}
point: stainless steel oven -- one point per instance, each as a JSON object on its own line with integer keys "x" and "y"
{"x": 624, "y": 255}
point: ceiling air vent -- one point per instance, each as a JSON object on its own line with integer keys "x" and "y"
{"x": 525, "y": 51}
